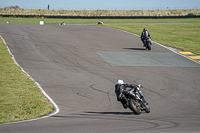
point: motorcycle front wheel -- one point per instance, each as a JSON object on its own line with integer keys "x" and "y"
{"x": 133, "y": 105}
{"x": 147, "y": 110}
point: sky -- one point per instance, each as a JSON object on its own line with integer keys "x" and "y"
{"x": 102, "y": 4}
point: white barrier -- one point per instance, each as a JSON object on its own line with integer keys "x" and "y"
{"x": 41, "y": 22}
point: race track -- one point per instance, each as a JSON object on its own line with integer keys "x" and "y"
{"x": 78, "y": 66}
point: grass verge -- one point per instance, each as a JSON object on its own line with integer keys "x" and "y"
{"x": 20, "y": 98}
{"x": 93, "y": 21}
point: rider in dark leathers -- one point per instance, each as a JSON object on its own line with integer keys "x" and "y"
{"x": 144, "y": 35}
{"x": 121, "y": 86}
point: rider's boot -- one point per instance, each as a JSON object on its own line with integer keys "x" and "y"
{"x": 124, "y": 102}
{"x": 144, "y": 44}
{"x": 125, "y": 106}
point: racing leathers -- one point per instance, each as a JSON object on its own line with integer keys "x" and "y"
{"x": 144, "y": 35}
{"x": 119, "y": 88}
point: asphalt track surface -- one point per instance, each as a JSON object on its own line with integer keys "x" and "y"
{"x": 78, "y": 66}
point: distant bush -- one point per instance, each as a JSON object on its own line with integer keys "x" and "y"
{"x": 13, "y": 7}
{"x": 191, "y": 14}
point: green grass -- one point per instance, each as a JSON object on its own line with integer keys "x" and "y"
{"x": 20, "y": 98}
{"x": 91, "y": 21}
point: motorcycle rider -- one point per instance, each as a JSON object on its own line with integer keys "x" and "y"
{"x": 121, "y": 86}
{"x": 144, "y": 35}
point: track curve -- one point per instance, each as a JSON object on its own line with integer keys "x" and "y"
{"x": 78, "y": 66}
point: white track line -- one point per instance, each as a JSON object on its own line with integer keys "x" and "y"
{"x": 54, "y": 104}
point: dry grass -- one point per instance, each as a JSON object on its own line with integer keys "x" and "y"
{"x": 18, "y": 11}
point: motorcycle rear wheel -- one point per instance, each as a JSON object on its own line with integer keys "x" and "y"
{"x": 148, "y": 46}
{"x": 134, "y": 106}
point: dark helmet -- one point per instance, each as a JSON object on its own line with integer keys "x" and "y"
{"x": 144, "y": 29}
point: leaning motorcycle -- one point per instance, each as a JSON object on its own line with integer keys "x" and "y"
{"x": 134, "y": 102}
{"x": 147, "y": 43}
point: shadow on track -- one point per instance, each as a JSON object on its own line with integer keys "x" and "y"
{"x": 93, "y": 113}
{"x": 115, "y": 113}
{"x": 135, "y": 48}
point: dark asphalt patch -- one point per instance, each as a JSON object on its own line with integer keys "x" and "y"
{"x": 146, "y": 59}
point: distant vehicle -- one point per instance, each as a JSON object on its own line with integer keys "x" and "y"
{"x": 63, "y": 23}
{"x": 100, "y": 22}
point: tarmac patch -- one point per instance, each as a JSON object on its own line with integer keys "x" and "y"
{"x": 147, "y": 59}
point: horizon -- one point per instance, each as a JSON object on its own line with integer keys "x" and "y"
{"x": 167, "y": 8}
{"x": 103, "y": 4}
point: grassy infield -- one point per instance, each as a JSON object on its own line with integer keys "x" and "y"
{"x": 20, "y": 99}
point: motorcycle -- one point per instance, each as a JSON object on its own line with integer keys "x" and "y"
{"x": 100, "y": 22}
{"x": 147, "y": 43}
{"x": 134, "y": 102}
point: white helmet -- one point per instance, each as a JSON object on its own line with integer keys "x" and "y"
{"x": 120, "y": 81}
